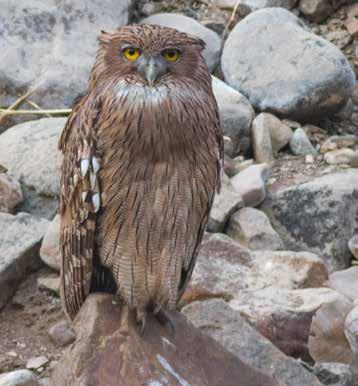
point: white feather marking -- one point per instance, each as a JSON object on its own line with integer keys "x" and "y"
{"x": 84, "y": 167}
{"x": 95, "y": 165}
{"x": 84, "y": 196}
{"x": 93, "y": 178}
{"x": 96, "y": 202}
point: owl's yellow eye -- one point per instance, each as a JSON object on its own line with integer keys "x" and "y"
{"x": 171, "y": 55}
{"x": 131, "y": 53}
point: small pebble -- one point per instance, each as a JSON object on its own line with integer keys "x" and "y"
{"x": 36, "y": 362}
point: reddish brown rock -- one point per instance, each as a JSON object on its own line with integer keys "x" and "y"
{"x": 109, "y": 351}
{"x": 327, "y": 341}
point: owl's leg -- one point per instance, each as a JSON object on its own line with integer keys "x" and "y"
{"x": 141, "y": 319}
{"x": 163, "y": 317}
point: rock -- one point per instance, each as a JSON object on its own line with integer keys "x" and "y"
{"x": 18, "y": 378}
{"x": 216, "y": 319}
{"x": 253, "y": 229}
{"x": 36, "y": 362}
{"x": 289, "y": 270}
{"x": 63, "y": 38}
{"x": 261, "y": 141}
{"x": 224, "y": 205}
{"x": 10, "y": 193}
{"x": 345, "y": 282}
{"x": 300, "y": 144}
{"x": 319, "y": 10}
{"x": 62, "y": 333}
{"x": 334, "y": 374}
{"x": 123, "y": 357}
{"x": 284, "y": 316}
{"x": 353, "y": 246}
{"x": 288, "y": 83}
{"x": 250, "y": 184}
{"x": 339, "y": 156}
{"x": 308, "y": 216}
{"x": 280, "y": 133}
{"x": 191, "y": 26}
{"x": 20, "y": 238}
{"x": 222, "y": 269}
{"x": 338, "y": 142}
{"x": 50, "y": 284}
{"x": 351, "y": 329}
{"x": 327, "y": 342}
{"x": 225, "y": 269}
{"x": 30, "y": 153}
{"x": 339, "y": 38}
{"x": 231, "y": 167}
{"x": 248, "y": 6}
{"x": 236, "y": 115}
{"x": 352, "y": 21}
{"x": 50, "y": 247}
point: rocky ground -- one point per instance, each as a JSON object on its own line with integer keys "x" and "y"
{"x": 276, "y": 281}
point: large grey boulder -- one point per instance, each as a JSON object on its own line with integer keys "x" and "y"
{"x": 236, "y": 115}
{"x": 20, "y": 238}
{"x": 29, "y": 151}
{"x": 282, "y": 67}
{"x": 229, "y": 328}
{"x": 191, "y": 26}
{"x": 51, "y": 45}
{"x": 248, "y": 6}
{"x": 319, "y": 216}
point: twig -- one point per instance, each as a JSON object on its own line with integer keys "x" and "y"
{"x": 36, "y": 106}
{"x": 232, "y": 18}
{"x": 5, "y": 112}
{"x": 36, "y": 112}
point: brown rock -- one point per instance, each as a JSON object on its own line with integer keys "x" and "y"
{"x": 253, "y": 229}
{"x": 109, "y": 351}
{"x": 345, "y": 282}
{"x": 352, "y": 21}
{"x": 261, "y": 140}
{"x": 10, "y": 193}
{"x": 327, "y": 341}
{"x": 284, "y": 316}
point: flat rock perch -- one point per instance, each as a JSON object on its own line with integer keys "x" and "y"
{"x": 110, "y": 352}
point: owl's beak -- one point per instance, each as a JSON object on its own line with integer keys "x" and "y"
{"x": 152, "y": 69}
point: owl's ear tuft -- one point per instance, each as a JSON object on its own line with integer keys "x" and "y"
{"x": 104, "y": 37}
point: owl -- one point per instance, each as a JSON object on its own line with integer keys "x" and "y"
{"x": 142, "y": 155}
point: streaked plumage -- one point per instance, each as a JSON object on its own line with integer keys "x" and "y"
{"x": 141, "y": 166}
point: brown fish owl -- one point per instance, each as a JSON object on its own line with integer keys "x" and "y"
{"x": 142, "y": 159}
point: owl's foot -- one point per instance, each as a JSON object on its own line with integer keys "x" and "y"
{"x": 163, "y": 318}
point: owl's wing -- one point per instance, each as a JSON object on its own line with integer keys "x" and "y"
{"x": 79, "y": 204}
{"x": 218, "y": 145}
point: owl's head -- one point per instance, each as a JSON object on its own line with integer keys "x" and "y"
{"x": 148, "y": 54}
